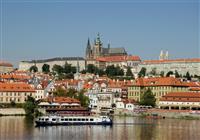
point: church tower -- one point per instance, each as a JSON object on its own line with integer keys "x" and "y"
{"x": 97, "y": 49}
{"x": 88, "y": 53}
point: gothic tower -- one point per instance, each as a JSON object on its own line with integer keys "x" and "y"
{"x": 88, "y": 53}
{"x": 97, "y": 49}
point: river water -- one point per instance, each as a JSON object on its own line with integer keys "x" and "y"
{"x": 124, "y": 128}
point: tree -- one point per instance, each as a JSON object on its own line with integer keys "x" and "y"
{"x": 162, "y": 73}
{"x": 169, "y": 73}
{"x": 91, "y": 68}
{"x": 148, "y": 98}
{"x": 30, "y": 106}
{"x": 129, "y": 72}
{"x": 45, "y": 68}
{"x": 67, "y": 68}
{"x": 177, "y": 74}
{"x": 188, "y": 76}
{"x": 142, "y": 72}
{"x": 114, "y": 71}
{"x": 153, "y": 71}
{"x": 33, "y": 68}
{"x": 58, "y": 69}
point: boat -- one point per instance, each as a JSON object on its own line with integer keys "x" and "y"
{"x": 73, "y": 120}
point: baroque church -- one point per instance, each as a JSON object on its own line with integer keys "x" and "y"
{"x": 97, "y": 50}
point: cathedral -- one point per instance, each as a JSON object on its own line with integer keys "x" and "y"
{"x": 97, "y": 50}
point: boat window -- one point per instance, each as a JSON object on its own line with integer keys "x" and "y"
{"x": 79, "y": 119}
{"x": 86, "y": 119}
{"x": 39, "y": 118}
{"x": 83, "y": 119}
{"x": 42, "y": 119}
{"x": 53, "y": 119}
{"x": 62, "y": 119}
{"x": 66, "y": 119}
{"x": 74, "y": 119}
{"x": 46, "y": 119}
{"x": 70, "y": 119}
{"x": 91, "y": 119}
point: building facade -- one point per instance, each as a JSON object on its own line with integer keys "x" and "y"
{"x": 16, "y": 92}
{"x": 182, "y": 66}
{"x": 159, "y": 86}
{"x": 74, "y": 61}
{"x": 180, "y": 100}
{"x": 6, "y": 67}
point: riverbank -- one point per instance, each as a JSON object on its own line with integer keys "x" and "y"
{"x": 12, "y": 112}
{"x": 174, "y": 114}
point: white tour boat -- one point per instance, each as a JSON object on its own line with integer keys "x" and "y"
{"x": 73, "y": 120}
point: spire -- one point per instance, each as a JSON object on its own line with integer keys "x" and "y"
{"x": 98, "y": 40}
{"x": 88, "y": 49}
{"x": 88, "y": 44}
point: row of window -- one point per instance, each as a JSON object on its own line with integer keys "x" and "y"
{"x": 69, "y": 119}
{"x": 14, "y": 94}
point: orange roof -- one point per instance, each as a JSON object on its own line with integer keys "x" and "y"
{"x": 6, "y": 64}
{"x": 16, "y": 87}
{"x": 14, "y": 76}
{"x": 118, "y": 58}
{"x": 159, "y": 81}
{"x": 63, "y": 100}
{"x": 171, "y": 61}
{"x": 182, "y": 97}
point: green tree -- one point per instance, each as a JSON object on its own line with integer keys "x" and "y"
{"x": 58, "y": 69}
{"x": 188, "y": 76}
{"x": 33, "y": 68}
{"x": 148, "y": 98}
{"x": 129, "y": 72}
{"x": 91, "y": 68}
{"x": 67, "y": 68}
{"x": 83, "y": 99}
{"x": 114, "y": 71}
{"x": 162, "y": 73}
{"x": 142, "y": 72}
{"x": 30, "y": 106}
{"x": 153, "y": 71}
{"x": 45, "y": 68}
{"x": 169, "y": 73}
{"x": 177, "y": 74}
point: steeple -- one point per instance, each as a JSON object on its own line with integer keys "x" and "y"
{"x": 88, "y": 49}
{"x": 98, "y": 40}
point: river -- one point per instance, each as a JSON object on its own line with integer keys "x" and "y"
{"x": 124, "y": 128}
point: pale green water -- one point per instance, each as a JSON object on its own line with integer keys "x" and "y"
{"x": 125, "y": 128}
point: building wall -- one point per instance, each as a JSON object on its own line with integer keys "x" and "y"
{"x": 17, "y": 97}
{"x": 5, "y": 69}
{"x": 135, "y": 92}
{"x": 182, "y": 67}
{"x": 27, "y": 65}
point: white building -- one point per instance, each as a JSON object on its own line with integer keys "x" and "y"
{"x": 74, "y": 61}
{"x": 182, "y": 66}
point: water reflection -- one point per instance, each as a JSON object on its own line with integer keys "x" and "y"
{"x": 129, "y": 128}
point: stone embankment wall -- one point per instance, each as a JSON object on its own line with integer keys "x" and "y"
{"x": 12, "y": 111}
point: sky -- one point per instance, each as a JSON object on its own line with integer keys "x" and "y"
{"x": 39, "y": 29}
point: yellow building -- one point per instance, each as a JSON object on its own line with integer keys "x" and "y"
{"x": 160, "y": 86}
{"x": 17, "y": 92}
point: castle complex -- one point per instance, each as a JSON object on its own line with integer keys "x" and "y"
{"x": 97, "y": 50}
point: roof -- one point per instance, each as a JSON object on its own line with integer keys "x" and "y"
{"x": 159, "y": 81}
{"x": 6, "y": 64}
{"x": 62, "y": 100}
{"x": 189, "y": 60}
{"x": 56, "y": 59}
{"x": 16, "y": 87}
{"x": 116, "y": 51}
{"x": 118, "y": 58}
{"x": 182, "y": 97}
{"x": 14, "y": 76}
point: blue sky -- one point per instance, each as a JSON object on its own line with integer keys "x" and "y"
{"x": 37, "y": 29}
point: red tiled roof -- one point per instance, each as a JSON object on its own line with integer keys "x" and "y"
{"x": 15, "y": 87}
{"x": 63, "y": 100}
{"x": 159, "y": 81}
{"x": 182, "y": 97}
{"x": 171, "y": 61}
{"x": 6, "y": 64}
{"x": 118, "y": 58}
{"x": 14, "y": 76}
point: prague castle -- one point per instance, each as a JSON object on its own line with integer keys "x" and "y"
{"x": 97, "y": 50}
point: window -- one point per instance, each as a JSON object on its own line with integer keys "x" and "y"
{"x": 66, "y": 119}
{"x": 54, "y": 119}
{"x": 70, "y": 119}
{"x": 91, "y": 119}
{"x": 46, "y": 119}
{"x": 74, "y": 119}
{"x": 62, "y": 119}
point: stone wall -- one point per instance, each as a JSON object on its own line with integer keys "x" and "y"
{"x": 12, "y": 111}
